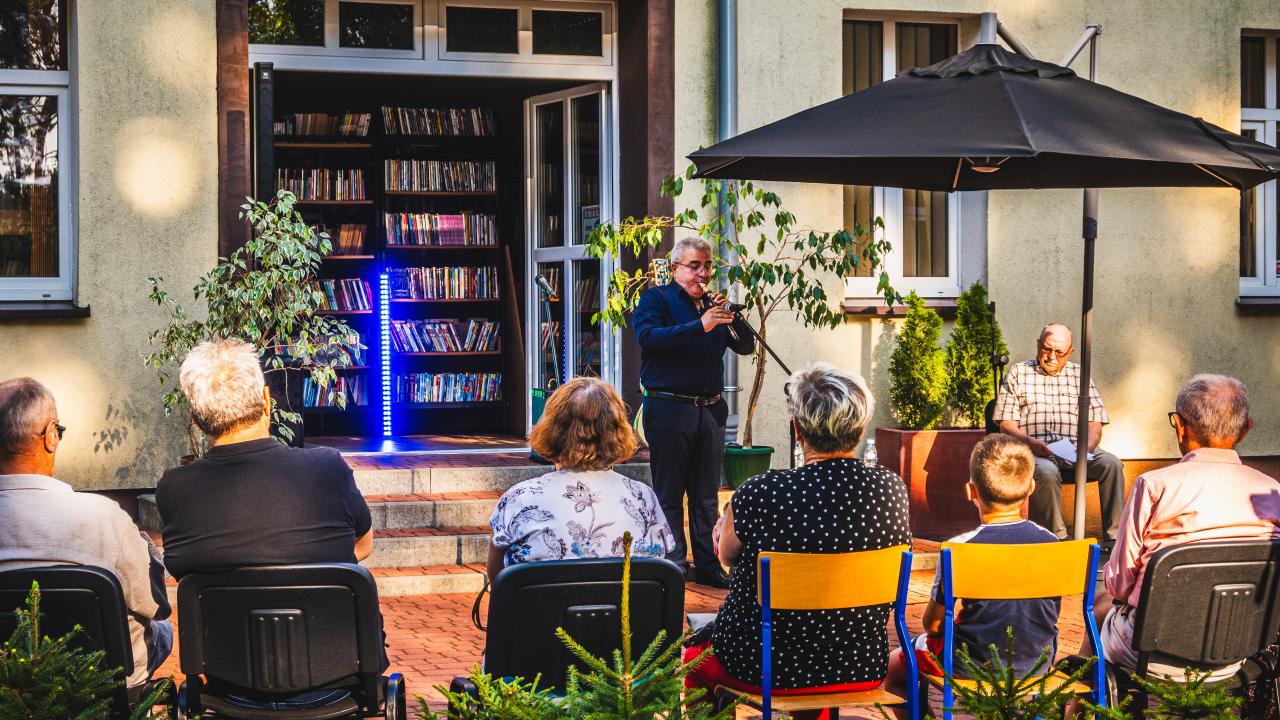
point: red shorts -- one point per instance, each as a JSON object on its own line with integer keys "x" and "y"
{"x": 926, "y": 648}
{"x": 710, "y": 674}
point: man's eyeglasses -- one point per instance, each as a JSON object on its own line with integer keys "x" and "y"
{"x": 1060, "y": 354}
{"x": 696, "y": 266}
{"x": 1172, "y": 415}
{"x": 60, "y": 428}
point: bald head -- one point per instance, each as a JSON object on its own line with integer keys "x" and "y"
{"x": 1056, "y": 331}
{"x": 26, "y": 411}
{"x": 1054, "y": 349}
{"x": 1214, "y": 408}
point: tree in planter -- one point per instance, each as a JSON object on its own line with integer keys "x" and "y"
{"x": 44, "y": 678}
{"x": 968, "y": 363}
{"x": 777, "y": 263}
{"x": 265, "y": 293}
{"x": 917, "y": 369}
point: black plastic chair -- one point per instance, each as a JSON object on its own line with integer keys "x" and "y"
{"x": 83, "y": 595}
{"x": 1206, "y": 606}
{"x": 531, "y": 600}
{"x": 264, "y": 636}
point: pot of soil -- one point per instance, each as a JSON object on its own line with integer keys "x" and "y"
{"x": 741, "y": 462}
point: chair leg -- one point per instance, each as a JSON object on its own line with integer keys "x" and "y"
{"x": 394, "y": 707}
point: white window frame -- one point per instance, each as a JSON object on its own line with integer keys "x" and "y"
{"x": 887, "y": 202}
{"x": 56, "y": 84}
{"x": 1266, "y": 121}
{"x": 429, "y": 56}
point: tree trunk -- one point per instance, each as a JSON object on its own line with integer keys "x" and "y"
{"x": 757, "y": 386}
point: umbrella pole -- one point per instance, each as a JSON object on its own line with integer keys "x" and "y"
{"x": 1086, "y": 361}
{"x": 1086, "y": 315}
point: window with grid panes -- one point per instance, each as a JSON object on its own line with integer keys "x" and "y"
{"x": 36, "y": 253}
{"x": 1259, "y": 119}
{"x": 921, "y": 226}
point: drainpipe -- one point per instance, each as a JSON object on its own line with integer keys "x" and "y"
{"x": 727, "y": 127}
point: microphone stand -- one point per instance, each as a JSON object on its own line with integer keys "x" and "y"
{"x": 791, "y": 427}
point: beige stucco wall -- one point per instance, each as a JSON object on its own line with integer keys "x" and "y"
{"x": 147, "y": 176}
{"x": 1167, "y": 259}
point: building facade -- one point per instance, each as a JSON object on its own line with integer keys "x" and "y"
{"x": 139, "y": 124}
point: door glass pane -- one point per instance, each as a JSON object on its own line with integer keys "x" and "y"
{"x": 586, "y": 341}
{"x": 567, "y": 33}
{"x": 486, "y": 30}
{"x": 1249, "y": 200}
{"x": 550, "y": 363}
{"x": 29, "y": 186}
{"x": 375, "y": 25}
{"x": 33, "y": 34}
{"x": 863, "y": 67}
{"x": 1253, "y": 72}
{"x": 586, "y": 167}
{"x": 549, "y": 142}
{"x": 924, "y": 214}
{"x": 286, "y": 22}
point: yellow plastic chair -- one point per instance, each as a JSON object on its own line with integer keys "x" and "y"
{"x": 976, "y": 571}
{"x": 829, "y": 581}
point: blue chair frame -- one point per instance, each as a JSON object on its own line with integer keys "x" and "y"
{"x": 900, "y": 625}
{"x": 1099, "y": 672}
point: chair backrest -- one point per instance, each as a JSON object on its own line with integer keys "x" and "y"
{"x": 1208, "y": 604}
{"x": 72, "y": 595}
{"x": 830, "y": 581}
{"x": 1017, "y": 572}
{"x": 282, "y": 629}
{"x": 531, "y": 600}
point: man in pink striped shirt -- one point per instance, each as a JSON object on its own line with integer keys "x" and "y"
{"x": 1207, "y": 496}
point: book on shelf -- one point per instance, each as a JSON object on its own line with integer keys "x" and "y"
{"x": 475, "y": 335}
{"x": 454, "y": 229}
{"x": 585, "y": 290}
{"x": 548, "y": 332}
{"x": 443, "y": 283}
{"x": 322, "y": 183}
{"x": 346, "y": 124}
{"x": 348, "y": 239}
{"x": 343, "y": 351}
{"x": 439, "y": 175}
{"x": 475, "y": 122}
{"x": 346, "y": 294}
{"x": 446, "y": 387}
{"x": 353, "y": 389}
{"x": 552, "y": 274}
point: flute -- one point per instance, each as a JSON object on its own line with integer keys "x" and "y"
{"x": 706, "y": 305}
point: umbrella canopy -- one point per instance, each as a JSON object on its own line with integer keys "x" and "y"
{"x": 989, "y": 119}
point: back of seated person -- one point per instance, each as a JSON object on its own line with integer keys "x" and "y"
{"x": 43, "y": 521}
{"x": 1001, "y": 470}
{"x": 1208, "y": 496}
{"x": 252, "y": 501}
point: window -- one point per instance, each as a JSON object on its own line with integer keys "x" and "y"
{"x": 286, "y": 22}
{"x": 530, "y": 31}
{"x": 375, "y": 25}
{"x": 1260, "y": 115}
{"x": 567, "y": 33}
{"x": 921, "y": 226}
{"x": 482, "y": 30}
{"x": 36, "y": 254}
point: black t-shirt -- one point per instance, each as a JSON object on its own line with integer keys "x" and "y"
{"x": 832, "y": 506}
{"x": 260, "y": 503}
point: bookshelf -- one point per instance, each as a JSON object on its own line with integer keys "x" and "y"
{"x": 417, "y": 194}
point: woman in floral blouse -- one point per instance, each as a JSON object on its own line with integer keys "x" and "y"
{"x": 583, "y": 508}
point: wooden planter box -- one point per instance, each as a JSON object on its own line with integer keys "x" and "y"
{"x": 935, "y": 466}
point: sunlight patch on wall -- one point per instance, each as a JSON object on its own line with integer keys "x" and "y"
{"x": 155, "y": 167}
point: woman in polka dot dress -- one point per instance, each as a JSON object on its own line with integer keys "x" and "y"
{"x": 832, "y": 504}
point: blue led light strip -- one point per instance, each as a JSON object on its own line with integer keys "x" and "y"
{"x": 384, "y": 344}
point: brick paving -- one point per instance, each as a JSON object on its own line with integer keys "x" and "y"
{"x": 432, "y": 639}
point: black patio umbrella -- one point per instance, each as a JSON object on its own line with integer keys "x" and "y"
{"x": 990, "y": 119}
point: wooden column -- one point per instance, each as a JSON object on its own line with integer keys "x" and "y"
{"x": 233, "y": 121}
{"x": 646, "y": 129}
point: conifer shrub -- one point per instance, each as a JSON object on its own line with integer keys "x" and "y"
{"x": 968, "y": 363}
{"x": 917, "y": 369}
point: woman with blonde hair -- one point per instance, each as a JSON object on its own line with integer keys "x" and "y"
{"x": 583, "y": 508}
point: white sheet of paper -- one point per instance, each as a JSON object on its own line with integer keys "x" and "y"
{"x": 1066, "y": 450}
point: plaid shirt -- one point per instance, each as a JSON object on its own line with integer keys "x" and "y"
{"x": 1046, "y": 406}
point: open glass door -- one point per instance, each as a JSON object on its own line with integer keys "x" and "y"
{"x": 569, "y": 177}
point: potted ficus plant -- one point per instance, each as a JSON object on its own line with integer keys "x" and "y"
{"x": 776, "y": 264}
{"x": 939, "y": 397}
{"x": 265, "y": 293}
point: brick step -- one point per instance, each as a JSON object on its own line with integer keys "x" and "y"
{"x": 446, "y": 480}
{"x": 416, "y": 547}
{"x": 425, "y": 510}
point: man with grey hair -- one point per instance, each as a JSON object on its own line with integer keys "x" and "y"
{"x": 683, "y": 330}
{"x": 1038, "y": 404}
{"x": 1207, "y": 496}
{"x": 212, "y": 507}
{"x": 43, "y": 521}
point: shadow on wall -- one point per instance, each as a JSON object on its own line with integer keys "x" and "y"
{"x": 153, "y": 444}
